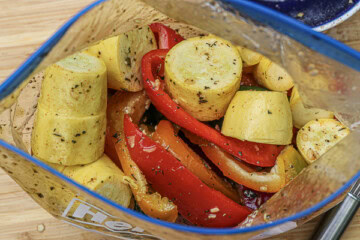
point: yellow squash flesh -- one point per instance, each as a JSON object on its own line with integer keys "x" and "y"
{"x": 259, "y": 116}
{"x": 318, "y": 136}
{"x": 122, "y": 55}
{"x": 293, "y": 162}
{"x": 70, "y": 121}
{"x": 272, "y": 76}
{"x": 202, "y": 74}
{"x": 103, "y": 177}
{"x": 302, "y": 115}
{"x": 249, "y": 57}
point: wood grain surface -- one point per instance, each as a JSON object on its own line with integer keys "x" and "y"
{"x": 24, "y": 25}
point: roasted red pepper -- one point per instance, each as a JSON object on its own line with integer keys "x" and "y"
{"x": 196, "y": 202}
{"x": 165, "y": 36}
{"x": 258, "y": 154}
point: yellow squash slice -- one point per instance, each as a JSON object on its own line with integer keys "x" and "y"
{"x": 70, "y": 122}
{"x": 302, "y": 115}
{"x": 318, "y": 136}
{"x": 103, "y": 177}
{"x": 294, "y": 163}
{"x": 122, "y": 55}
{"x": 249, "y": 57}
{"x": 259, "y": 116}
{"x": 272, "y": 76}
{"x": 202, "y": 74}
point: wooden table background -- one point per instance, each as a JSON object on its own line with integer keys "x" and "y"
{"x": 24, "y": 25}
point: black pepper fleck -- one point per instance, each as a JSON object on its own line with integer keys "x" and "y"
{"x": 40, "y": 195}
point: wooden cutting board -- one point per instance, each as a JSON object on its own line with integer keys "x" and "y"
{"x": 24, "y": 25}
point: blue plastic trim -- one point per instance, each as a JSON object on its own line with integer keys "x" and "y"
{"x": 298, "y": 31}
{"x": 200, "y": 230}
{"x": 279, "y": 22}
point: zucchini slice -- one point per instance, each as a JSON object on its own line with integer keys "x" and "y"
{"x": 202, "y": 74}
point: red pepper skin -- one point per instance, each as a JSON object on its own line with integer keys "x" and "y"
{"x": 248, "y": 79}
{"x": 196, "y": 202}
{"x": 259, "y": 154}
{"x": 165, "y": 36}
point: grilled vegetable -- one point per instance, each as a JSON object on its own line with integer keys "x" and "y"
{"x": 67, "y": 129}
{"x": 302, "y": 115}
{"x": 249, "y": 57}
{"x": 202, "y": 74}
{"x": 318, "y": 136}
{"x": 272, "y": 76}
{"x": 259, "y": 116}
{"x": 293, "y": 162}
{"x": 122, "y": 55}
{"x": 103, "y": 177}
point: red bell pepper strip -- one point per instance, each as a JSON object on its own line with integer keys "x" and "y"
{"x": 196, "y": 202}
{"x": 259, "y": 154}
{"x": 165, "y": 36}
{"x": 238, "y": 171}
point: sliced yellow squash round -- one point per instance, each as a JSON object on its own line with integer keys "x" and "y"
{"x": 202, "y": 74}
{"x": 70, "y": 121}
{"x": 72, "y": 83}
